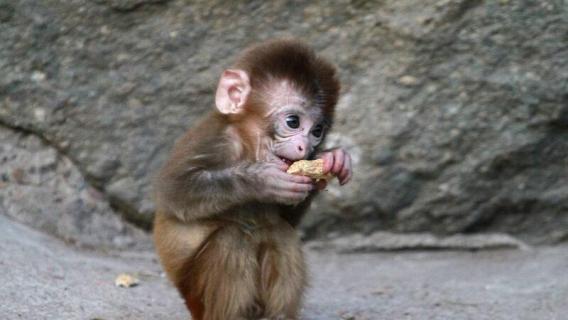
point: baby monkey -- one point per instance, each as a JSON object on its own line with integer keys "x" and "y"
{"x": 226, "y": 207}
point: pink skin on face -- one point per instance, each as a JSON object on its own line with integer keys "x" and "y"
{"x": 296, "y": 148}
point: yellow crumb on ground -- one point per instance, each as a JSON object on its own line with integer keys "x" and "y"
{"x": 126, "y": 281}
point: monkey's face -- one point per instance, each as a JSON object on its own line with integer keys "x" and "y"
{"x": 297, "y": 123}
{"x": 296, "y": 134}
{"x": 297, "y": 131}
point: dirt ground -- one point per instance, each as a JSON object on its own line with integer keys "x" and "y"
{"x": 42, "y": 278}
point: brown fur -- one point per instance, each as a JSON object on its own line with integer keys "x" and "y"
{"x": 231, "y": 257}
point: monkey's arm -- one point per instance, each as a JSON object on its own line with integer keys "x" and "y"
{"x": 198, "y": 193}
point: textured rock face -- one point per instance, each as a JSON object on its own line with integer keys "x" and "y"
{"x": 456, "y": 112}
{"x": 42, "y": 188}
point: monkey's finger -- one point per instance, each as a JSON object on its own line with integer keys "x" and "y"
{"x": 299, "y": 187}
{"x": 285, "y": 185}
{"x": 338, "y": 161}
{"x": 293, "y": 178}
{"x": 327, "y": 161}
{"x": 349, "y": 176}
{"x": 299, "y": 179}
{"x": 292, "y": 197}
{"x": 346, "y": 171}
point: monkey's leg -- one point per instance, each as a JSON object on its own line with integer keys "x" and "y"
{"x": 220, "y": 280}
{"x": 282, "y": 274}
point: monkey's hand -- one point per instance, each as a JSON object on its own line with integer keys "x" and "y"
{"x": 274, "y": 184}
{"x": 338, "y": 163}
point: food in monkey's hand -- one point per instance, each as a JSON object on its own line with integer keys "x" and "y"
{"x": 309, "y": 168}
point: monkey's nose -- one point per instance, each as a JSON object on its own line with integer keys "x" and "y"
{"x": 301, "y": 151}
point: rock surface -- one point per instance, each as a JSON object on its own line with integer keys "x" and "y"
{"x": 387, "y": 241}
{"x": 44, "y": 279}
{"x": 455, "y": 111}
{"x": 42, "y": 188}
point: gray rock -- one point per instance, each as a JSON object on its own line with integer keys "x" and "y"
{"x": 45, "y": 190}
{"x": 388, "y": 241}
{"x": 455, "y": 110}
{"x": 126, "y": 5}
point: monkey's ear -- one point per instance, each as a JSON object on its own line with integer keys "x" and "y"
{"x": 233, "y": 91}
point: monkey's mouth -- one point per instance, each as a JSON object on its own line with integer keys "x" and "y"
{"x": 286, "y": 161}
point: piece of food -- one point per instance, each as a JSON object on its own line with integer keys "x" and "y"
{"x": 309, "y": 168}
{"x": 126, "y": 281}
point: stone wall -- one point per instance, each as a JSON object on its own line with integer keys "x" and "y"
{"x": 455, "y": 111}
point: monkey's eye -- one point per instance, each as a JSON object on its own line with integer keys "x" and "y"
{"x": 293, "y": 121}
{"x": 318, "y": 131}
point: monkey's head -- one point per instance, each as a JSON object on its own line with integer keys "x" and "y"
{"x": 281, "y": 98}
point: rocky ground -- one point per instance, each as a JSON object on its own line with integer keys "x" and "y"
{"x": 43, "y": 278}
